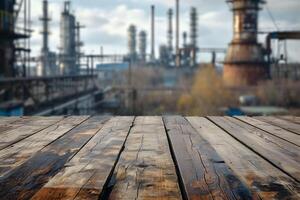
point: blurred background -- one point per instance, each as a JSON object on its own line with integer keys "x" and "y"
{"x": 150, "y": 57}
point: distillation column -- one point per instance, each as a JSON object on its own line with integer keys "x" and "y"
{"x": 244, "y": 63}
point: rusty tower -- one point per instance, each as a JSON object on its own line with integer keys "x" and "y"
{"x": 244, "y": 62}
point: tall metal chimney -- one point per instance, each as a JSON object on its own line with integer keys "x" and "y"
{"x": 245, "y": 63}
{"x": 152, "y": 33}
{"x": 45, "y": 19}
{"x": 44, "y": 67}
{"x": 177, "y": 34}
{"x": 194, "y": 35}
{"x": 170, "y": 31}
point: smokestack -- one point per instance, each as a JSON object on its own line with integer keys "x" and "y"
{"x": 170, "y": 31}
{"x": 244, "y": 63}
{"x": 194, "y": 27}
{"x": 152, "y": 33}
{"x": 45, "y": 19}
{"x": 194, "y": 35}
{"x": 142, "y": 45}
{"x": 177, "y": 34}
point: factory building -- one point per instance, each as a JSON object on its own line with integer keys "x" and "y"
{"x": 245, "y": 63}
{"x": 68, "y": 42}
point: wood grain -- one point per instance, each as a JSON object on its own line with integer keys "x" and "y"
{"x": 293, "y": 119}
{"x": 145, "y": 170}
{"x": 19, "y": 153}
{"x": 278, "y": 152}
{"x": 290, "y": 126}
{"x": 274, "y": 130}
{"x": 24, "y": 181}
{"x": 31, "y": 127}
{"x": 204, "y": 173}
{"x": 261, "y": 176}
{"x": 86, "y": 174}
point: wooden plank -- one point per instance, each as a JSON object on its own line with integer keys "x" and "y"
{"x": 145, "y": 169}
{"x": 203, "y": 172}
{"x": 10, "y": 123}
{"x": 15, "y": 155}
{"x": 290, "y": 126}
{"x": 24, "y": 181}
{"x": 261, "y": 176}
{"x": 274, "y": 130}
{"x": 8, "y": 120}
{"x": 293, "y": 119}
{"x": 31, "y": 127}
{"x": 86, "y": 174}
{"x": 279, "y": 152}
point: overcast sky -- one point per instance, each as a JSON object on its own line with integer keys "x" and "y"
{"x": 107, "y": 21}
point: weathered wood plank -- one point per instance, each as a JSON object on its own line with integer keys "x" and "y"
{"x": 10, "y": 123}
{"x": 31, "y": 127}
{"x": 86, "y": 174}
{"x": 24, "y": 181}
{"x": 274, "y": 130}
{"x": 279, "y": 152}
{"x": 293, "y": 119}
{"x": 262, "y": 177}
{"x": 204, "y": 173}
{"x": 8, "y": 120}
{"x": 19, "y": 153}
{"x": 145, "y": 169}
{"x": 290, "y": 126}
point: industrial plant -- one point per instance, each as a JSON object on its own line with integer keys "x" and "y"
{"x": 69, "y": 80}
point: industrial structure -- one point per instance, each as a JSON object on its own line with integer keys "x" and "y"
{"x": 152, "y": 56}
{"x": 68, "y": 42}
{"x": 48, "y": 60}
{"x": 245, "y": 63}
{"x": 142, "y": 46}
{"x": 132, "y": 44}
{"x": 193, "y": 35}
{"x": 177, "y": 61}
{"x": 170, "y": 36}
{"x": 14, "y": 38}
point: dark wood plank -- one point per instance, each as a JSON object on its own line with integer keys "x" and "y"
{"x": 145, "y": 169}
{"x": 15, "y": 155}
{"x": 280, "y": 153}
{"x": 86, "y": 174}
{"x": 204, "y": 173}
{"x": 24, "y": 181}
{"x": 274, "y": 130}
{"x": 262, "y": 177}
{"x": 290, "y": 126}
{"x": 31, "y": 127}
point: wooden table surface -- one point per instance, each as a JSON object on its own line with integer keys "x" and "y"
{"x": 171, "y": 157}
